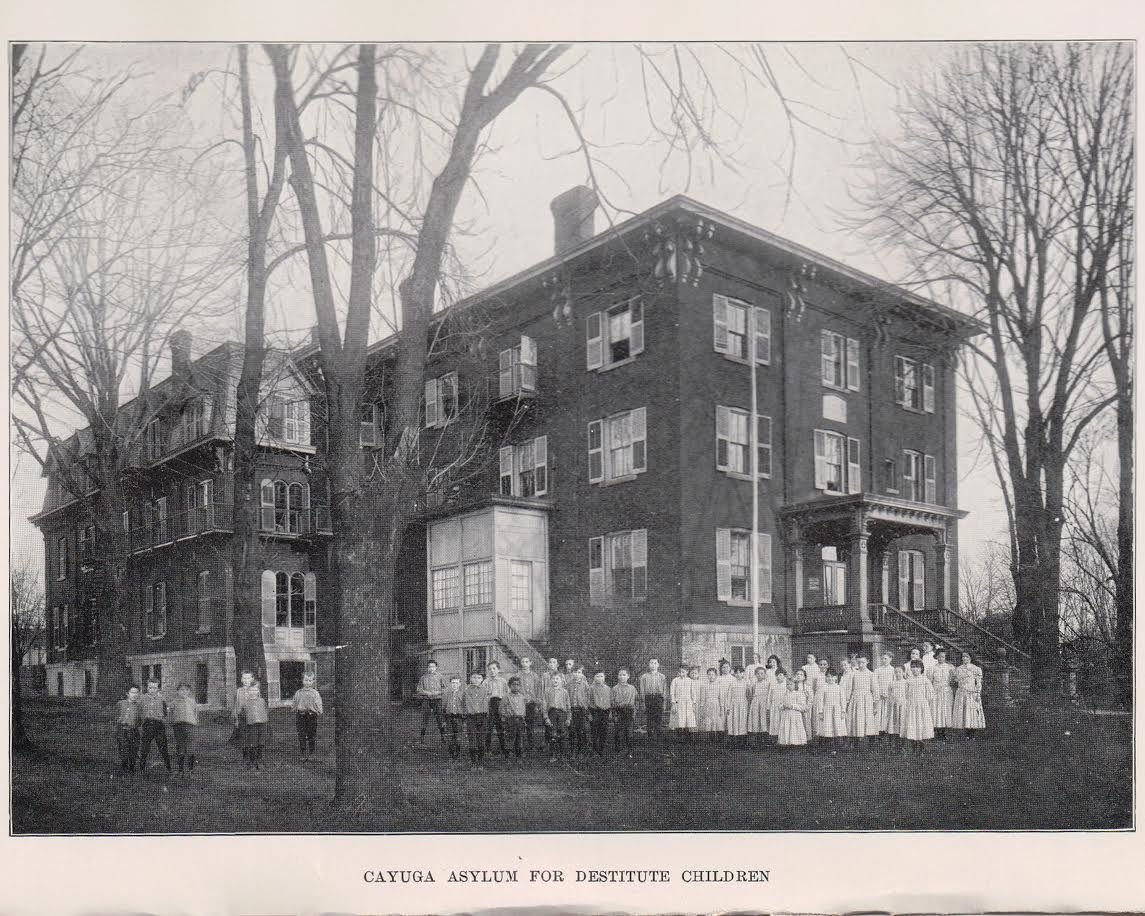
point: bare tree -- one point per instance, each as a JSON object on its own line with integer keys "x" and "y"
{"x": 1000, "y": 190}
{"x": 26, "y": 593}
{"x": 986, "y": 587}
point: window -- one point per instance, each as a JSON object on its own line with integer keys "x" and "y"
{"x": 310, "y": 593}
{"x": 284, "y": 506}
{"x": 521, "y": 585}
{"x": 368, "y": 425}
{"x": 202, "y": 680}
{"x": 207, "y": 502}
{"x": 161, "y": 519}
{"x": 297, "y": 599}
{"x": 890, "y": 475}
{"x": 153, "y": 439}
{"x": 911, "y": 474}
{"x": 739, "y": 656}
{"x": 834, "y": 578}
{"x": 288, "y": 421}
{"x": 732, "y": 320}
{"x": 617, "y": 446}
{"x": 832, "y": 473}
{"x": 155, "y": 610}
{"x": 61, "y": 558}
{"x": 517, "y": 369}
{"x": 615, "y": 335}
{"x": 446, "y": 588}
{"x": 281, "y": 506}
{"x": 478, "y": 582}
{"x": 524, "y": 468}
{"x": 912, "y": 580}
{"x": 295, "y": 504}
{"x": 203, "y": 596}
{"x": 476, "y": 660}
{"x": 441, "y": 400}
{"x": 733, "y": 566}
{"x": 930, "y": 488}
{"x": 914, "y": 384}
{"x": 281, "y": 600}
{"x": 195, "y": 420}
{"x": 618, "y": 566}
{"x": 732, "y": 445}
{"x": 839, "y": 361}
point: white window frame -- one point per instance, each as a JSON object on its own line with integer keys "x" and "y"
{"x": 521, "y": 598}
{"x": 850, "y": 462}
{"x": 513, "y": 468}
{"x": 912, "y": 466}
{"x": 368, "y": 428}
{"x": 839, "y": 361}
{"x": 919, "y": 395}
{"x": 599, "y": 328}
{"x": 722, "y": 335}
{"x": 600, "y": 552}
{"x": 725, "y": 548}
{"x": 517, "y": 369}
{"x": 439, "y": 410}
{"x": 483, "y": 582}
{"x": 601, "y": 451}
{"x": 727, "y": 422}
{"x": 448, "y": 597}
{"x": 834, "y": 583}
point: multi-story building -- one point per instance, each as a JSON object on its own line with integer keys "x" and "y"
{"x": 606, "y": 510}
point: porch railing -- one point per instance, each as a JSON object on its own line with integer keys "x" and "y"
{"x": 517, "y": 645}
{"x": 826, "y": 618}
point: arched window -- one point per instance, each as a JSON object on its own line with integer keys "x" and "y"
{"x": 311, "y": 593}
{"x": 297, "y": 592}
{"x": 297, "y": 504}
{"x": 281, "y": 506}
{"x": 282, "y": 599}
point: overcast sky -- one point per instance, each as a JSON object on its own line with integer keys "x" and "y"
{"x": 846, "y": 93}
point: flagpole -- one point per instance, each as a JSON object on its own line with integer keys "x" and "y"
{"x": 753, "y": 438}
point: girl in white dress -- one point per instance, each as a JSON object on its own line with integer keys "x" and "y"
{"x": 775, "y": 703}
{"x": 737, "y": 706}
{"x": 808, "y": 700}
{"x": 968, "y": 714}
{"x": 927, "y": 657}
{"x": 918, "y": 722}
{"x": 896, "y": 704}
{"x": 861, "y": 698}
{"x": 831, "y": 718}
{"x": 709, "y": 719}
{"x": 697, "y": 682}
{"x": 942, "y": 680}
{"x": 811, "y": 671}
{"x": 760, "y": 690}
{"x": 682, "y": 717}
{"x": 791, "y": 730}
{"x": 884, "y": 674}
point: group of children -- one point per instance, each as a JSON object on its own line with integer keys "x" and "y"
{"x": 904, "y": 704}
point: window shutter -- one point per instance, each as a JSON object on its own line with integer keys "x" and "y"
{"x": 763, "y": 442}
{"x": 904, "y": 580}
{"x": 205, "y": 417}
{"x": 636, "y": 333}
{"x": 595, "y": 569}
{"x": 930, "y": 493}
{"x": 506, "y": 460}
{"x": 594, "y": 348}
{"x": 640, "y": 563}
{"x": 762, "y": 335}
{"x": 432, "y": 412}
{"x": 919, "y": 583}
{"x": 268, "y": 615}
{"x": 310, "y": 600}
{"x": 900, "y": 381}
{"x": 504, "y": 374}
{"x": 541, "y": 464}
{"x": 528, "y": 358}
{"x": 638, "y": 436}
{"x": 595, "y": 451}
{"x": 723, "y": 422}
{"x": 763, "y": 559}
{"x": 303, "y": 408}
{"x": 820, "y": 460}
{"x": 368, "y": 426}
{"x": 854, "y": 466}
{"x": 720, "y": 323}
{"x": 827, "y": 357}
{"x": 723, "y": 564}
{"x": 852, "y": 364}
{"x": 161, "y": 609}
{"x": 266, "y": 513}
{"x": 928, "y": 387}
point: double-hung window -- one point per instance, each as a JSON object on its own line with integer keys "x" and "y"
{"x": 733, "y": 566}
{"x": 733, "y": 322}
{"x": 368, "y": 425}
{"x": 446, "y": 588}
{"x": 914, "y": 385}
{"x": 838, "y": 463}
{"x": 618, "y": 566}
{"x": 153, "y": 439}
{"x": 477, "y": 581}
{"x": 288, "y": 421}
{"x": 733, "y": 441}
{"x": 517, "y": 369}
{"x": 155, "y": 609}
{"x": 839, "y": 361}
{"x": 614, "y": 335}
{"x": 617, "y": 446}
{"x": 441, "y": 400}
{"x": 524, "y": 468}
{"x": 61, "y": 558}
{"x": 911, "y": 474}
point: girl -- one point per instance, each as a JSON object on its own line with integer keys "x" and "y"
{"x": 791, "y": 730}
{"x": 968, "y": 714}
{"x": 737, "y": 705}
{"x": 831, "y": 720}
{"x": 811, "y": 671}
{"x": 808, "y": 701}
{"x": 682, "y": 717}
{"x": 927, "y": 656}
{"x": 694, "y": 677}
{"x": 918, "y": 722}
{"x": 775, "y": 704}
{"x": 861, "y": 698}
{"x": 942, "y": 680}
{"x": 884, "y": 675}
{"x": 709, "y": 705}
{"x": 846, "y": 672}
{"x": 757, "y": 707}
{"x": 896, "y": 705}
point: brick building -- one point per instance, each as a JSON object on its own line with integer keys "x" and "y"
{"x": 609, "y": 516}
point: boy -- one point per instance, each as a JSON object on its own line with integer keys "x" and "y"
{"x": 453, "y": 705}
{"x": 429, "y": 689}
{"x": 533, "y": 689}
{"x": 153, "y": 709}
{"x": 599, "y": 705}
{"x": 184, "y": 719}
{"x": 557, "y": 706}
{"x": 513, "y": 708}
{"x": 623, "y": 711}
{"x": 578, "y": 698}
{"x": 554, "y": 671}
{"x": 653, "y": 686}
{"x": 495, "y": 689}
{"x": 241, "y": 694}
{"x": 476, "y": 709}
{"x": 307, "y": 706}
{"x": 127, "y": 720}
{"x": 256, "y": 715}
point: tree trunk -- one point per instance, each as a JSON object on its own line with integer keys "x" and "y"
{"x": 20, "y": 737}
{"x": 110, "y": 585}
{"x": 1123, "y": 584}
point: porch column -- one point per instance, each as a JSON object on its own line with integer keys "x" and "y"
{"x": 858, "y": 573}
{"x": 941, "y": 557}
{"x": 795, "y": 575}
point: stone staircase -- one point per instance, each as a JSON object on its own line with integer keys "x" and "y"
{"x": 950, "y": 630}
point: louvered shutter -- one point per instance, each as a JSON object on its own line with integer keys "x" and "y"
{"x": 763, "y": 443}
{"x": 595, "y": 451}
{"x": 928, "y": 387}
{"x": 594, "y": 342}
{"x": 900, "y": 381}
{"x": 930, "y": 491}
{"x": 820, "y": 460}
{"x": 505, "y": 456}
{"x": 904, "y": 581}
{"x": 638, "y": 437}
{"x": 854, "y": 466}
{"x": 762, "y": 335}
{"x": 852, "y": 364}
{"x": 528, "y": 364}
{"x": 504, "y": 374}
{"x": 595, "y": 570}
{"x": 640, "y": 563}
{"x": 637, "y": 330}
{"x": 541, "y": 464}
{"x": 918, "y": 583}
{"x": 722, "y": 432}
{"x": 432, "y": 409}
{"x": 720, "y": 323}
{"x": 763, "y": 560}
{"x": 723, "y": 564}
{"x": 310, "y": 618}
{"x": 268, "y": 619}
{"x": 827, "y": 357}
{"x": 266, "y": 507}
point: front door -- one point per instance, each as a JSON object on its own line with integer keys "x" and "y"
{"x": 520, "y": 610}
{"x": 290, "y": 678}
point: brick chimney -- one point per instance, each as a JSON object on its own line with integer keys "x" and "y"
{"x": 180, "y": 344}
{"x": 573, "y": 221}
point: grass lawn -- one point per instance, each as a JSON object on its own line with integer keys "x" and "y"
{"x": 1035, "y": 769}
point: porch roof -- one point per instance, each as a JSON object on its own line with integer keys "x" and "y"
{"x": 866, "y": 512}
